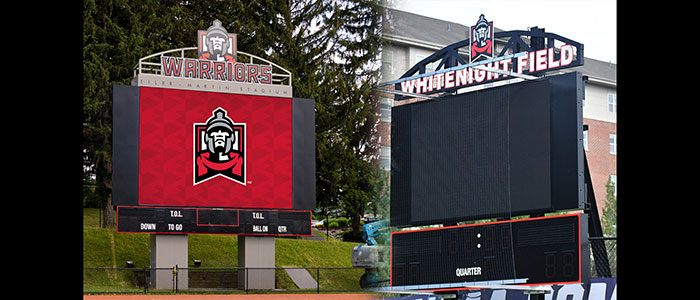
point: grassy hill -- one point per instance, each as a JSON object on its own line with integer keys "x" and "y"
{"x": 107, "y": 248}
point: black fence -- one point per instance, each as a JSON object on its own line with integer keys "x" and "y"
{"x": 98, "y": 280}
{"x": 603, "y": 256}
{"x": 104, "y": 280}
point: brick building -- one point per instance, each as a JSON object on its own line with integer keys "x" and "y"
{"x": 409, "y": 38}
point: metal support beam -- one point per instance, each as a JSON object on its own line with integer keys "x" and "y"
{"x": 404, "y": 93}
{"x": 534, "y": 292}
{"x": 474, "y": 64}
{"x": 505, "y": 284}
{"x": 595, "y": 227}
{"x": 509, "y": 73}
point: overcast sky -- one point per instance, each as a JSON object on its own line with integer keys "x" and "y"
{"x": 591, "y": 22}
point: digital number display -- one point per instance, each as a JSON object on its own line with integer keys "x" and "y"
{"x": 543, "y": 250}
{"x": 185, "y": 220}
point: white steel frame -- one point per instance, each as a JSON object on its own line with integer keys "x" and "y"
{"x": 146, "y": 65}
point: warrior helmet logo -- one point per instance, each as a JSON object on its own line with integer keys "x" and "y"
{"x": 481, "y": 40}
{"x": 216, "y": 43}
{"x": 219, "y": 148}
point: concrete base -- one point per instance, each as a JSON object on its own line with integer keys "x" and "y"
{"x": 167, "y": 251}
{"x": 254, "y": 251}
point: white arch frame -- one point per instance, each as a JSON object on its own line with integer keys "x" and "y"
{"x": 147, "y": 66}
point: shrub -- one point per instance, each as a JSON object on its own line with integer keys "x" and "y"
{"x": 347, "y": 236}
{"x": 342, "y": 222}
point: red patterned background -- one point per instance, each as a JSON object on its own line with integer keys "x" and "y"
{"x": 166, "y": 149}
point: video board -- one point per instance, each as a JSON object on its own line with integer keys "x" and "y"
{"x": 497, "y": 152}
{"x": 196, "y": 152}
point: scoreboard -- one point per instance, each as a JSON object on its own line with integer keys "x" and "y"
{"x": 192, "y": 161}
{"x": 186, "y": 220}
{"x": 542, "y": 250}
{"x": 505, "y": 151}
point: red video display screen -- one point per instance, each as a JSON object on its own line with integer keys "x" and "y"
{"x": 208, "y": 149}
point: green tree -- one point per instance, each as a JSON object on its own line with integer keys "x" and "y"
{"x": 104, "y": 53}
{"x": 609, "y": 218}
{"x": 380, "y": 205}
{"x": 331, "y": 48}
{"x": 351, "y": 125}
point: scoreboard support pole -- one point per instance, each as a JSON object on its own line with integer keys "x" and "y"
{"x": 168, "y": 251}
{"x": 256, "y": 252}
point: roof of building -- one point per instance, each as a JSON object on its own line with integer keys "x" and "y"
{"x": 422, "y": 28}
{"x": 430, "y": 31}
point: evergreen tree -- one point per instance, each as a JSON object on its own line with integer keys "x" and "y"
{"x": 104, "y": 50}
{"x": 115, "y": 35}
{"x": 331, "y": 48}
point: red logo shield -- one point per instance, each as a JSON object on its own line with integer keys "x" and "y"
{"x": 219, "y": 148}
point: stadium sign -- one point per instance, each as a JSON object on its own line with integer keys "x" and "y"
{"x": 217, "y": 67}
{"x": 534, "y": 61}
{"x": 216, "y": 60}
{"x": 543, "y": 52}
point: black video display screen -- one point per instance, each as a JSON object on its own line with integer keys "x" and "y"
{"x": 497, "y": 152}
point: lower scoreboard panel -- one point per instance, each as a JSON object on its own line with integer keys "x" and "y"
{"x": 198, "y": 220}
{"x": 543, "y": 250}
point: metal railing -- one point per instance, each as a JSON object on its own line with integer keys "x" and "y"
{"x": 603, "y": 256}
{"x": 108, "y": 280}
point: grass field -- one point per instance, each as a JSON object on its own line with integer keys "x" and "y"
{"x": 107, "y": 248}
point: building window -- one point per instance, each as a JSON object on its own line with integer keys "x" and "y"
{"x": 429, "y": 67}
{"x": 612, "y": 103}
{"x": 613, "y": 143}
{"x": 385, "y": 105}
{"x": 585, "y": 140}
{"x": 388, "y": 61}
{"x": 385, "y": 157}
{"x": 419, "y": 58}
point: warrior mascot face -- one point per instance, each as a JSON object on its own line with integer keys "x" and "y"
{"x": 481, "y": 39}
{"x": 217, "y": 41}
{"x": 217, "y": 44}
{"x": 483, "y": 32}
{"x": 219, "y": 148}
{"x": 219, "y": 136}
